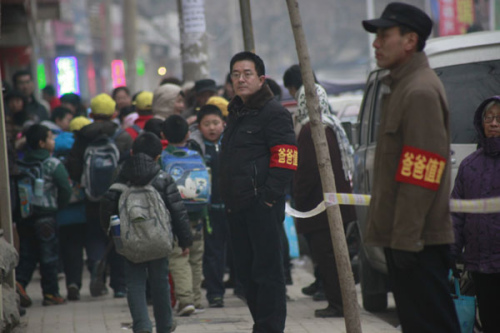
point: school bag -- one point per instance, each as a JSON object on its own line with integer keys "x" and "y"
{"x": 100, "y": 162}
{"x": 191, "y": 176}
{"x": 145, "y": 222}
{"x": 35, "y": 186}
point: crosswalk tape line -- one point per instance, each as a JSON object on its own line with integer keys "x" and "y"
{"x": 478, "y": 206}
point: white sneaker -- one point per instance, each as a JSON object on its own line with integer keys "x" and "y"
{"x": 199, "y": 309}
{"x": 185, "y": 310}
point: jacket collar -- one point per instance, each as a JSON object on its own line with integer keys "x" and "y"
{"x": 416, "y": 62}
{"x": 254, "y": 103}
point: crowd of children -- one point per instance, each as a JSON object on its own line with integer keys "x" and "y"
{"x": 68, "y": 165}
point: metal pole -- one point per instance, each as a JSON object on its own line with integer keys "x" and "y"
{"x": 346, "y": 278}
{"x": 130, "y": 40}
{"x": 246, "y": 24}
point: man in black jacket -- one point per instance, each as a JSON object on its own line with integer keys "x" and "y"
{"x": 258, "y": 157}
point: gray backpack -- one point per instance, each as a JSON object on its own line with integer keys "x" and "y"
{"x": 145, "y": 223}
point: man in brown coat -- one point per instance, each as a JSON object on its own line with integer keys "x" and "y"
{"x": 409, "y": 212}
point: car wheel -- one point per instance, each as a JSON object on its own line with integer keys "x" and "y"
{"x": 373, "y": 286}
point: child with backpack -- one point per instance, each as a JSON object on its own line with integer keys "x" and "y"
{"x": 151, "y": 212}
{"x": 43, "y": 189}
{"x": 92, "y": 162}
{"x": 188, "y": 169}
{"x": 208, "y": 136}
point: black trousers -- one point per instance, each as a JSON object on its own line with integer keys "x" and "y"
{"x": 214, "y": 256}
{"x": 257, "y": 249}
{"x": 488, "y": 300}
{"x": 422, "y": 293}
{"x": 321, "y": 247}
{"x": 71, "y": 244}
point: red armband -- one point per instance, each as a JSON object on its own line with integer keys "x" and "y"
{"x": 421, "y": 168}
{"x": 284, "y": 156}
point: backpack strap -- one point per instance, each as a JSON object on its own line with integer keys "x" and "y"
{"x": 137, "y": 129}
{"x": 117, "y": 133}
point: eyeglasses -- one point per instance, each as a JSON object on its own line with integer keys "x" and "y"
{"x": 489, "y": 119}
{"x": 246, "y": 75}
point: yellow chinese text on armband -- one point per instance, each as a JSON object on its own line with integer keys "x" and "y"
{"x": 420, "y": 167}
{"x": 284, "y": 156}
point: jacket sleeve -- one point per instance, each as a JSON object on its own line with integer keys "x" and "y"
{"x": 61, "y": 179}
{"x": 423, "y": 127}
{"x": 279, "y": 133}
{"x": 75, "y": 158}
{"x": 180, "y": 221}
{"x": 458, "y": 219}
{"x": 108, "y": 207}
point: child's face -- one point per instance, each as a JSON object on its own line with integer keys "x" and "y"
{"x": 64, "y": 122}
{"x": 211, "y": 127}
{"x": 15, "y": 104}
{"x": 49, "y": 143}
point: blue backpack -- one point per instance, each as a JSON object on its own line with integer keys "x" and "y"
{"x": 191, "y": 175}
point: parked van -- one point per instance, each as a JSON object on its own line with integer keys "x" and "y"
{"x": 469, "y": 67}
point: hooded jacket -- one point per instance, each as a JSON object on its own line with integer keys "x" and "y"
{"x": 259, "y": 151}
{"x": 479, "y": 234}
{"x": 139, "y": 170}
{"x": 88, "y": 134}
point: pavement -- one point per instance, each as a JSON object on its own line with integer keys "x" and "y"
{"x": 109, "y": 315}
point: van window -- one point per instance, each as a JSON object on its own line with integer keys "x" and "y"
{"x": 466, "y": 87}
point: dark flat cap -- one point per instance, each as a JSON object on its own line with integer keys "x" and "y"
{"x": 397, "y": 13}
{"x": 205, "y": 85}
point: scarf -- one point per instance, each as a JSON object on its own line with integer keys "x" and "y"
{"x": 329, "y": 119}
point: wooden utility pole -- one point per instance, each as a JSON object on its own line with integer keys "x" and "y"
{"x": 246, "y": 25}
{"x": 194, "y": 49}
{"x": 346, "y": 278}
{"x": 130, "y": 40}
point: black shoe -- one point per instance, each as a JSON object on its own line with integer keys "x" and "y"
{"x": 319, "y": 296}
{"x": 73, "y": 292}
{"x": 216, "y": 302}
{"x": 328, "y": 312}
{"x": 310, "y": 289}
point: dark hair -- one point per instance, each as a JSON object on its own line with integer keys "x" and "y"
{"x": 59, "y": 113}
{"x": 293, "y": 77}
{"x": 175, "y": 128}
{"x": 49, "y": 90}
{"x": 147, "y": 143}
{"x": 71, "y": 98}
{"x": 125, "y": 111}
{"x": 260, "y": 68}
{"x": 403, "y": 30}
{"x": 206, "y": 110}
{"x": 154, "y": 125}
{"x": 15, "y": 94}
{"x": 135, "y": 95}
{"x": 171, "y": 80}
{"x": 19, "y": 73}
{"x": 118, "y": 89}
{"x": 36, "y": 133}
{"x": 275, "y": 88}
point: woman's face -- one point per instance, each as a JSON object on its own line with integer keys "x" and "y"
{"x": 122, "y": 99}
{"x": 491, "y": 122}
{"x": 179, "y": 104}
{"x": 15, "y": 105}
